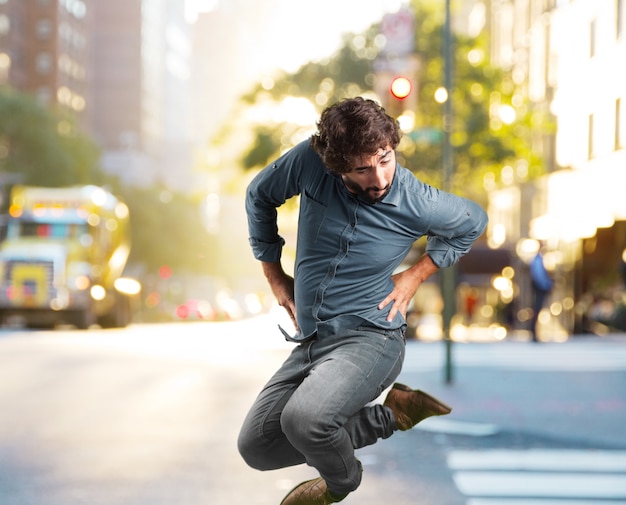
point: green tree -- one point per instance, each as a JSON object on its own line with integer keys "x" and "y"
{"x": 167, "y": 229}
{"x": 348, "y": 73}
{"x": 483, "y": 143}
{"x": 43, "y": 146}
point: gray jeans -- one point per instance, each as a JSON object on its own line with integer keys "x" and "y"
{"x": 313, "y": 409}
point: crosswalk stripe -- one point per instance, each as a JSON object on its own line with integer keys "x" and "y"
{"x": 539, "y": 460}
{"x": 453, "y": 427}
{"x": 563, "y": 485}
{"x": 515, "y": 501}
{"x": 539, "y": 476}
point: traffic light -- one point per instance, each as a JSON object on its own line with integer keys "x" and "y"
{"x": 402, "y": 101}
{"x": 401, "y": 87}
{"x": 397, "y": 89}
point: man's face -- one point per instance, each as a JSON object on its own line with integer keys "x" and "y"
{"x": 370, "y": 176}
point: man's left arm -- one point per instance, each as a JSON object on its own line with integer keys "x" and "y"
{"x": 456, "y": 223}
{"x": 406, "y": 284}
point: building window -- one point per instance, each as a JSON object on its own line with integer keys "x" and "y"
{"x": 618, "y": 124}
{"x": 77, "y": 8}
{"x": 592, "y": 38}
{"x": 5, "y": 24}
{"x": 43, "y": 63}
{"x": 590, "y": 132}
{"x": 549, "y": 5}
{"x": 44, "y": 29}
{"x": 5, "y": 66}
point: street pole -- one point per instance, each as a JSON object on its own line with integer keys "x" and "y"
{"x": 448, "y": 275}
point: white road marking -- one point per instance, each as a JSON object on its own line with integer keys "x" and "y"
{"x": 539, "y": 460}
{"x": 556, "y": 485}
{"x": 540, "y": 476}
{"x": 451, "y": 427}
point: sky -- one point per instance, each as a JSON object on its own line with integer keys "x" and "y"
{"x": 260, "y": 37}
{"x": 314, "y": 26}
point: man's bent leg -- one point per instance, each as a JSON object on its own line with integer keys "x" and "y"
{"x": 261, "y": 442}
{"x": 349, "y": 370}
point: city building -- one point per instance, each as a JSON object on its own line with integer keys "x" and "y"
{"x": 566, "y": 58}
{"x": 122, "y": 66}
{"x": 141, "y": 79}
{"x": 45, "y": 50}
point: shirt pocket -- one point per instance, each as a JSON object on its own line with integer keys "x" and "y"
{"x": 312, "y": 216}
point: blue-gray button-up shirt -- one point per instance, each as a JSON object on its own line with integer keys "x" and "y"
{"x": 348, "y": 249}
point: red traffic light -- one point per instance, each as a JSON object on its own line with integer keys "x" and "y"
{"x": 401, "y": 87}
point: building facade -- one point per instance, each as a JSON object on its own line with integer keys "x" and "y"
{"x": 45, "y": 50}
{"x": 121, "y": 66}
{"x": 141, "y": 79}
{"x": 566, "y": 58}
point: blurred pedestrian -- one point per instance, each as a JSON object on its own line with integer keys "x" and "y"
{"x": 360, "y": 214}
{"x": 470, "y": 300}
{"x": 542, "y": 284}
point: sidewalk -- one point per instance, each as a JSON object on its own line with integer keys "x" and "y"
{"x": 574, "y": 390}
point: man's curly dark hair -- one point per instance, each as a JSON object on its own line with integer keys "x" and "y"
{"x": 352, "y": 128}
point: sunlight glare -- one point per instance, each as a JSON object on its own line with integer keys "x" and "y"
{"x": 193, "y": 7}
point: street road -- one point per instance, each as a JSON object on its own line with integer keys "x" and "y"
{"x": 149, "y": 415}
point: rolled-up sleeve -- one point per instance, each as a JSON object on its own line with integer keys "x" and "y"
{"x": 271, "y": 188}
{"x": 456, "y": 224}
{"x": 261, "y": 207}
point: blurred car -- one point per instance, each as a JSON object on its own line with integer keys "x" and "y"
{"x": 200, "y": 310}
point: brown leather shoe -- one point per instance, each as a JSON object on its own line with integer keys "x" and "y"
{"x": 411, "y": 406}
{"x": 310, "y": 492}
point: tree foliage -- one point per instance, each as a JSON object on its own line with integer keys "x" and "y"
{"x": 484, "y": 145}
{"x": 167, "y": 229}
{"x": 42, "y": 146}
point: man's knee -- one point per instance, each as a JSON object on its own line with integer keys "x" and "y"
{"x": 251, "y": 450}
{"x": 302, "y": 426}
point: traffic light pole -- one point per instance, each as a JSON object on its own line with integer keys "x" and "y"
{"x": 448, "y": 275}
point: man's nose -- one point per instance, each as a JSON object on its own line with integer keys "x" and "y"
{"x": 380, "y": 178}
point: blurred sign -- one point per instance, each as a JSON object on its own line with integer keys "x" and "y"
{"x": 399, "y": 31}
{"x": 426, "y": 135}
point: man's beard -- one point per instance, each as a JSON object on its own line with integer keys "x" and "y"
{"x": 367, "y": 194}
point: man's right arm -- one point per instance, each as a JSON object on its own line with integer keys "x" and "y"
{"x": 269, "y": 189}
{"x": 282, "y": 286}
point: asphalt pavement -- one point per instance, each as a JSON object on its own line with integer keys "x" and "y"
{"x": 149, "y": 415}
{"x": 532, "y": 424}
